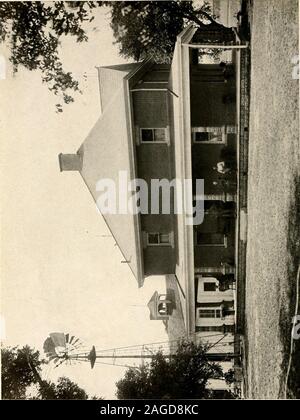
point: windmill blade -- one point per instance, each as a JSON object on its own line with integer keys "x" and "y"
{"x": 49, "y": 346}
{"x": 58, "y": 339}
{"x": 76, "y": 341}
{"x": 60, "y": 347}
{"x": 78, "y": 346}
{"x": 72, "y": 338}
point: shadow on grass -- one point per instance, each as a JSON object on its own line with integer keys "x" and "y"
{"x": 287, "y": 314}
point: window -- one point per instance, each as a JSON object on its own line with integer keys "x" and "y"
{"x": 209, "y": 287}
{"x": 209, "y": 313}
{"x": 208, "y": 137}
{"x": 211, "y": 239}
{"x": 212, "y": 135}
{"x": 159, "y": 239}
{"x": 153, "y": 135}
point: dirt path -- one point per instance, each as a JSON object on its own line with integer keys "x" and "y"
{"x": 274, "y": 171}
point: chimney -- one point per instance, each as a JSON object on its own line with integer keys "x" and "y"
{"x": 70, "y": 162}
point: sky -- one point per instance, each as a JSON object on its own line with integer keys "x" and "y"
{"x": 61, "y": 271}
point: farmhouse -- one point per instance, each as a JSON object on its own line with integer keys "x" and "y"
{"x": 177, "y": 121}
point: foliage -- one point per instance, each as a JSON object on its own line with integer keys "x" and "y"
{"x": 150, "y": 28}
{"x": 17, "y": 374}
{"x": 21, "y": 368}
{"x": 229, "y": 376}
{"x": 34, "y": 31}
{"x": 65, "y": 389}
{"x": 183, "y": 375}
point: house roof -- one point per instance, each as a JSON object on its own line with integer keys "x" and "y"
{"x": 109, "y": 149}
{"x": 110, "y": 80}
{"x": 152, "y": 305}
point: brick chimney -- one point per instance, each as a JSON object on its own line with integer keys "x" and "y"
{"x": 70, "y": 162}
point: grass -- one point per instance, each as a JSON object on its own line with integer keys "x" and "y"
{"x": 273, "y": 191}
{"x": 293, "y": 380}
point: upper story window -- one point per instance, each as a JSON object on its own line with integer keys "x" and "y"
{"x": 153, "y": 135}
{"x": 159, "y": 239}
{"x": 149, "y": 135}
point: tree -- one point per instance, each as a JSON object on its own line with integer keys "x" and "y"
{"x": 34, "y": 30}
{"x": 150, "y": 28}
{"x": 17, "y": 374}
{"x": 65, "y": 389}
{"x": 184, "y": 374}
{"x": 21, "y": 368}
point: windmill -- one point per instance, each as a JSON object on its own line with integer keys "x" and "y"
{"x": 65, "y": 348}
{"x": 61, "y": 347}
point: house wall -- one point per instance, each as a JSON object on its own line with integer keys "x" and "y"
{"x": 159, "y": 260}
{"x": 154, "y": 161}
{"x": 151, "y": 109}
{"x": 214, "y": 255}
{"x": 207, "y": 98}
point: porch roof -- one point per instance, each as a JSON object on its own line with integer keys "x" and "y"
{"x": 179, "y": 86}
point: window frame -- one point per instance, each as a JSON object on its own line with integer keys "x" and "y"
{"x": 169, "y": 243}
{"x": 209, "y": 129}
{"x": 166, "y": 133}
{"x": 139, "y": 140}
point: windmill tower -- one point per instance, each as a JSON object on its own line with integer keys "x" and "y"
{"x": 65, "y": 348}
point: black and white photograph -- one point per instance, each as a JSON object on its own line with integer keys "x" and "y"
{"x": 150, "y": 202}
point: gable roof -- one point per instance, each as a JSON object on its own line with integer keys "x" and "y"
{"x": 110, "y": 80}
{"x": 152, "y": 305}
{"x": 109, "y": 149}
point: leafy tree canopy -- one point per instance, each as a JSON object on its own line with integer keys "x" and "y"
{"x": 21, "y": 368}
{"x": 150, "y": 28}
{"x": 16, "y": 373}
{"x": 184, "y": 375}
{"x": 34, "y": 31}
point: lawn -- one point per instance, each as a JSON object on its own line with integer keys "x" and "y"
{"x": 273, "y": 199}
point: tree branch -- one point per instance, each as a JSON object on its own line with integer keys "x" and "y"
{"x": 208, "y": 17}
